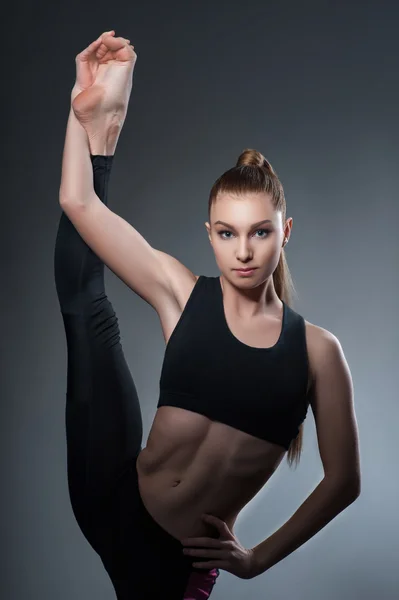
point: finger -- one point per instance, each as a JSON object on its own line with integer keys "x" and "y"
{"x": 214, "y": 520}
{"x": 107, "y": 47}
{"x": 96, "y": 44}
{"x": 104, "y": 51}
{"x": 219, "y": 524}
{"x": 111, "y": 32}
{"x": 207, "y": 542}
{"x": 114, "y": 43}
{"x": 206, "y": 553}
{"x": 98, "y": 41}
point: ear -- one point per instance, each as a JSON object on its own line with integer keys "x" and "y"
{"x": 208, "y": 228}
{"x": 288, "y": 228}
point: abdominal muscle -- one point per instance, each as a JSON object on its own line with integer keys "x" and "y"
{"x": 192, "y": 465}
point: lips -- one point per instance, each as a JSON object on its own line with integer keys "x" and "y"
{"x": 244, "y": 270}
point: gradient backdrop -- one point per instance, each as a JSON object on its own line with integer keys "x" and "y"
{"x": 314, "y": 87}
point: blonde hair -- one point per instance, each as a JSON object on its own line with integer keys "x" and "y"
{"x": 253, "y": 173}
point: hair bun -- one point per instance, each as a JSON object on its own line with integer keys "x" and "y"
{"x": 252, "y": 158}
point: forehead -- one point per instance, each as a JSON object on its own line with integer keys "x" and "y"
{"x": 243, "y": 208}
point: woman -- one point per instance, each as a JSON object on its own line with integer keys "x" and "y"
{"x": 240, "y": 368}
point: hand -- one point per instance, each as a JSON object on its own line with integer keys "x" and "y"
{"x": 226, "y": 552}
{"x": 104, "y": 73}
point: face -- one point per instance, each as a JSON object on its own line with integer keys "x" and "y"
{"x": 246, "y": 231}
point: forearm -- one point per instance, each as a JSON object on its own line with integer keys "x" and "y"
{"x": 77, "y": 171}
{"x": 325, "y": 502}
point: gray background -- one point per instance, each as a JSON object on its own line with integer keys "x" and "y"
{"x": 314, "y": 87}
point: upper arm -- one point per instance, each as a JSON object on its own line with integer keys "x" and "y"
{"x": 150, "y": 273}
{"x": 333, "y": 408}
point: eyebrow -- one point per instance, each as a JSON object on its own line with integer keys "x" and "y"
{"x": 253, "y": 225}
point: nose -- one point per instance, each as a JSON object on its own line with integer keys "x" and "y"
{"x": 244, "y": 251}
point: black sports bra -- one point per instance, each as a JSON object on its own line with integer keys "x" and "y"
{"x": 207, "y": 370}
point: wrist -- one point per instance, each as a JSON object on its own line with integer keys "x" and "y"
{"x": 102, "y": 131}
{"x": 104, "y": 141}
{"x": 260, "y": 562}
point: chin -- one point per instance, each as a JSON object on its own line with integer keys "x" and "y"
{"x": 245, "y": 281}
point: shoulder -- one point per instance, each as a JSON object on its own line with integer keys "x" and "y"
{"x": 325, "y": 351}
{"x": 319, "y": 336}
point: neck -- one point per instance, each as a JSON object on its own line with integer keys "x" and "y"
{"x": 248, "y": 302}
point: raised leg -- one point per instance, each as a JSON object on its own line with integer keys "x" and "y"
{"x": 103, "y": 415}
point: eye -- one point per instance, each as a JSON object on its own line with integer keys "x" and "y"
{"x": 265, "y": 231}
{"x": 221, "y": 234}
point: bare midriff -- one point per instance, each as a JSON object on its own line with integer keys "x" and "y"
{"x": 192, "y": 465}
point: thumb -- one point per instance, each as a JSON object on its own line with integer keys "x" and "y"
{"x": 111, "y": 32}
{"x": 113, "y": 43}
{"x": 94, "y": 46}
{"x": 220, "y": 525}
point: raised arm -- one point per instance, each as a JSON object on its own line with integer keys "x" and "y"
{"x": 99, "y": 105}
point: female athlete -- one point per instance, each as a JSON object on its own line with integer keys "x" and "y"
{"x": 240, "y": 368}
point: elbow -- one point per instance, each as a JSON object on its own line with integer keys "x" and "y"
{"x": 347, "y": 488}
{"x": 64, "y": 201}
{"x": 67, "y": 203}
{"x": 353, "y": 492}
{"x": 357, "y": 490}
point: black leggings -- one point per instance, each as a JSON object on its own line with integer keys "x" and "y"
{"x": 104, "y": 428}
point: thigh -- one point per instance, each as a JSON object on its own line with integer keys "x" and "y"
{"x": 143, "y": 561}
{"x": 103, "y": 415}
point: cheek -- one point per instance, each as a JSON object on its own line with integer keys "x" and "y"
{"x": 266, "y": 249}
{"x": 268, "y": 255}
{"x": 273, "y": 250}
{"x": 221, "y": 248}
{"x": 273, "y": 257}
{"x": 223, "y": 254}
